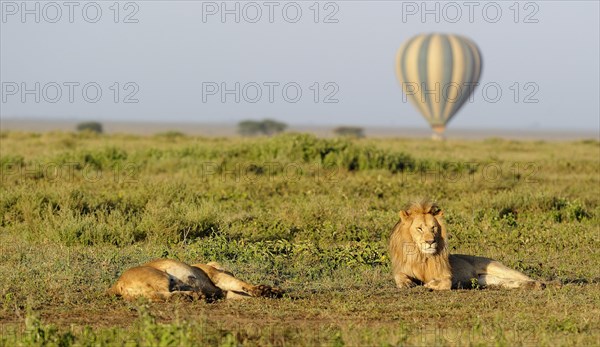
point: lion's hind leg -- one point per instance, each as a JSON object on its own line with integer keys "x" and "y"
{"x": 237, "y": 288}
{"x": 488, "y": 273}
{"x": 493, "y": 281}
{"x": 494, "y": 273}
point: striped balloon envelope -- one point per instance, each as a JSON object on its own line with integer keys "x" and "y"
{"x": 438, "y": 73}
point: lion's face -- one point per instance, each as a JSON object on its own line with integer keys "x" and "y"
{"x": 426, "y": 232}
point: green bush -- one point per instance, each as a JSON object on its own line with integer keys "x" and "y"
{"x": 355, "y": 132}
{"x": 265, "y": 127}
{"x": 95, "y": 127}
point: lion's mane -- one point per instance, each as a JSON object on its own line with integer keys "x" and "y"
{"x": 405, "y": 253}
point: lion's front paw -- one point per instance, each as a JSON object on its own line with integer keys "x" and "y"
{"x": 405, "y": 285}
{"x": 439, "y": 284}
{"x": 403, "y": 281}
{"x": 536, "y": 285}
{"x": 265, "y": 291}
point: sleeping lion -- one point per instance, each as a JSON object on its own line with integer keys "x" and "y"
{"x": 163, "y": 279}
{"x": 419, "y": 255}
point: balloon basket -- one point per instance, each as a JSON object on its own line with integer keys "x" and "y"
{"x": 438, "y": 133}
{"x": 437, "y": 137}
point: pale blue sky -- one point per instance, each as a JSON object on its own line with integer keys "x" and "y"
{"x": 177, "y": 46}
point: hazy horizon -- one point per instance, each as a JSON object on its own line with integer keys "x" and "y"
{"x": 166, "y": 122}
{"x": 207, "y": 129}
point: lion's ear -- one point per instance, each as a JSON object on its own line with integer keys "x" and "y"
{"x": 438, "y": 213}
{"x": 403, "y": 215}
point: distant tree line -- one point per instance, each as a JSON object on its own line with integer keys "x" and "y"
{"x": 348, "y": 131}
{"x": 263, "y": 127}
{"x": 266, "y": 127}
{"x": 95, "y": 127}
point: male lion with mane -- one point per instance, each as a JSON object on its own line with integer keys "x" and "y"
{"x": 163, "y": 279}
{"x": 419, "y": 255}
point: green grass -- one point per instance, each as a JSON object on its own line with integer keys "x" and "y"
{"x": 309, "y": 215}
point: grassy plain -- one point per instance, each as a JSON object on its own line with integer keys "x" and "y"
{"x": 309, "y": 215}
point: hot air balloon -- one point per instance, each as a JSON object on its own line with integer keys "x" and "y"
{"x": 438, "y": 73}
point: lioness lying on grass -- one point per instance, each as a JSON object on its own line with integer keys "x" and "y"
{"x": 419, "y": 255}
{"x": 162, "y": 279}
